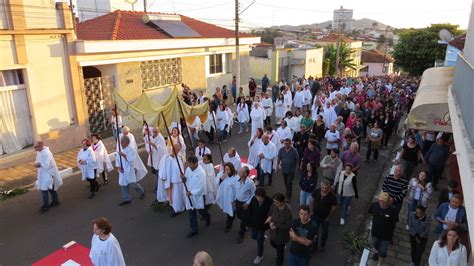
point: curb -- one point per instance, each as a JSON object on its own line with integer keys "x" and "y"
{"x": 70, "y": 171}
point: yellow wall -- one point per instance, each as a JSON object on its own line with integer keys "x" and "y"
{"x": 259, "y": 66}
{"x": 7, "y": 54}
{"x": 41, "y": 14}
{"x": 129, "y": 80}
{"x": 194, "y": 72}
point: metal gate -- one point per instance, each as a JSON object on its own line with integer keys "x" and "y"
{"x": 98, "y": 92}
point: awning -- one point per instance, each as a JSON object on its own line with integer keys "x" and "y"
{"x": 430, "y": 110}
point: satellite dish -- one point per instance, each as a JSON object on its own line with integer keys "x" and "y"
{"x": 445, "y": 35}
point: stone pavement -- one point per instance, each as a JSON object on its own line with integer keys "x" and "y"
{"x": 399, "y": 252}
{"x": 23, "y": 175}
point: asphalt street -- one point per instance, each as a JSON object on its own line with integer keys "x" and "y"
{"x": 154, "y": 238}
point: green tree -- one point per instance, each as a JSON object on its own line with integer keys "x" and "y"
{"x": 329, "y": 63}
{"x": 382, "y": 39}
{"x": 418, "y": 49}
{"x": 267, "y": 35}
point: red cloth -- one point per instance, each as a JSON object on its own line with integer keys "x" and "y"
{"x": 76, "y": 252}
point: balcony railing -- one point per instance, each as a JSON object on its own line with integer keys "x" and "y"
{"x": 464, "y": 89}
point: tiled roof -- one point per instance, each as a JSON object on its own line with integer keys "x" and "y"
{"x": 128, "y": 25}
{"x": 335, "y": 38}
{"x": 373, "y": 57}
{"x": 458, "y": 42}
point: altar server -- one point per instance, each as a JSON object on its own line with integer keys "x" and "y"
{"x": 49, "y": 179}
{"x": 86, "y": 162}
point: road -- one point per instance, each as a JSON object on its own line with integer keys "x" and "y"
{"x": 154, "y": 238}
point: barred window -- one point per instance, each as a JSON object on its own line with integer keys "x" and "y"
{"x": 159, "y": 73}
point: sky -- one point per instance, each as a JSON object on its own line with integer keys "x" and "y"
{"x": 265, "y": 13}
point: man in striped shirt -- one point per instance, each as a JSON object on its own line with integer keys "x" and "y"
{"x": 396, "y": 186}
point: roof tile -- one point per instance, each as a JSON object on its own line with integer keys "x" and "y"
{"x": 128, "y": 25}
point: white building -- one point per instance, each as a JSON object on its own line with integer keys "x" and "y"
{"x": 89, "y": 9}
{"x": 342, "y": 19}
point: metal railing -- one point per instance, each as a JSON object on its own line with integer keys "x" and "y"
{"x": 464, "y": 89}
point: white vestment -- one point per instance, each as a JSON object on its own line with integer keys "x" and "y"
{"x": 288, "y": 100}
{"x": 230, "y": 119}
{"x": 225, "y": 196}
{"x": 48, "y": 174}
{"x": 221, "y": 119}
{"x": 269, "y": 153}
{"x": 254, "y": 149}
{"x": 211, "y": 188}
{"x": 280, "y": 109}
{"x": 133, "y": 142}
{"x": 106, "y": 252}
{"x": 200, "y": 152}
{"x": 234, "y": 160}
{"x": 170, "y": 183}
{"x": 267, "y": 105}
{"x": 88, "y": 157}
{"x": 179, "y": 139}
{"x": 307, "y": 97}
{"x": 206, "y": 126}
{"x": 330, "y": 116}
{"x": 102, "y": 158}
{"x": 243, "y": 115}
{"x": 156, "y": 153}
{"x": 196, "y": 184}
{"x": 295, "y": 124}
{"x": 257, "y": 115}
{"x": 284, "y": 133}
{"x": 299, "y": 99}
{"x": 275, "y": 139}
{"x": 133, "y": 168}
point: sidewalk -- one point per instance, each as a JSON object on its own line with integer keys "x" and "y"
{"x": 24, "y": 174}
{"x": 399, "y": 252}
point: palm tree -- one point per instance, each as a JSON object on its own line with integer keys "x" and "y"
{"x": 345, "y": 60}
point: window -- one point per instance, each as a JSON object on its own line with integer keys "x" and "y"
{"x": 215, "y": 64}
{"x": 11, "y": 78}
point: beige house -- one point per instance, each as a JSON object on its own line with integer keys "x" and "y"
{"x": 354, "y": 45}
{"x": 287, "y": 62}
{"x": 57, "y": 87}
{"x": 376, "y": 64}
{"x": 39, "y": 84}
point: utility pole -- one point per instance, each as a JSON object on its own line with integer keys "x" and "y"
{"x": 237, "y": 49}
{"x": 144, "y": 6}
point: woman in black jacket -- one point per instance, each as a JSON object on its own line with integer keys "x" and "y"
{"x": 256, "y": 216}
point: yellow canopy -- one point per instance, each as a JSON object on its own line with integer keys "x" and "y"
{"x": 145, "y": 109}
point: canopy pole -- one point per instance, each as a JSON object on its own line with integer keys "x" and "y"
{"x": 118, "y": 136}
{"x": 177, "y": 160}
{"x": 187, "y": 129}
{"x": 149, "y": 141}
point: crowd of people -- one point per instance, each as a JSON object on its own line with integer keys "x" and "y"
{"x": 300, "y": 127}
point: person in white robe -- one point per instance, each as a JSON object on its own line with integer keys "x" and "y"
{"x": 294, "y": 123}
{"x": 275, "y": 139}
{"x": 105, "y": 248}
{"x": 196, "y": 186}
{"x": 48, "y": 178}
{"x": 171, "y": 181}
{"x": 299, "y": 98}
{"x": 156, "y": 148}
{"x": 211, "y": 188}
{"x": 283, "y": 132}
{"x": 86, "y": 162}
{"x": 208, "y": 126}
{"x": 230, "y": 120}
{"x": 233, "y": 157}
{"x": 131, "y": 170}
{"x": 267, "y": 105}
{"x": 116, "y": 121}
{"x": 194, "y": 129}
{"x": 258, "y": 115}
{"x": 103, "y": 162}
{"x": 280, "y": 108}
{"x": 288, "y": 99}
{"x": 307, "y": 97}
{"x": 266, "y": 156}
{"x": 222, "y": 120}
{"x": 225, "y": 197}
{"x": 177, "y": 138}
{"x": 201, "y": 150}
{"x": 243, "y": 115}
{"x": 131, "y": 137}
{"x": 329, "y": 114}
{"x": 254, "y": 147}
